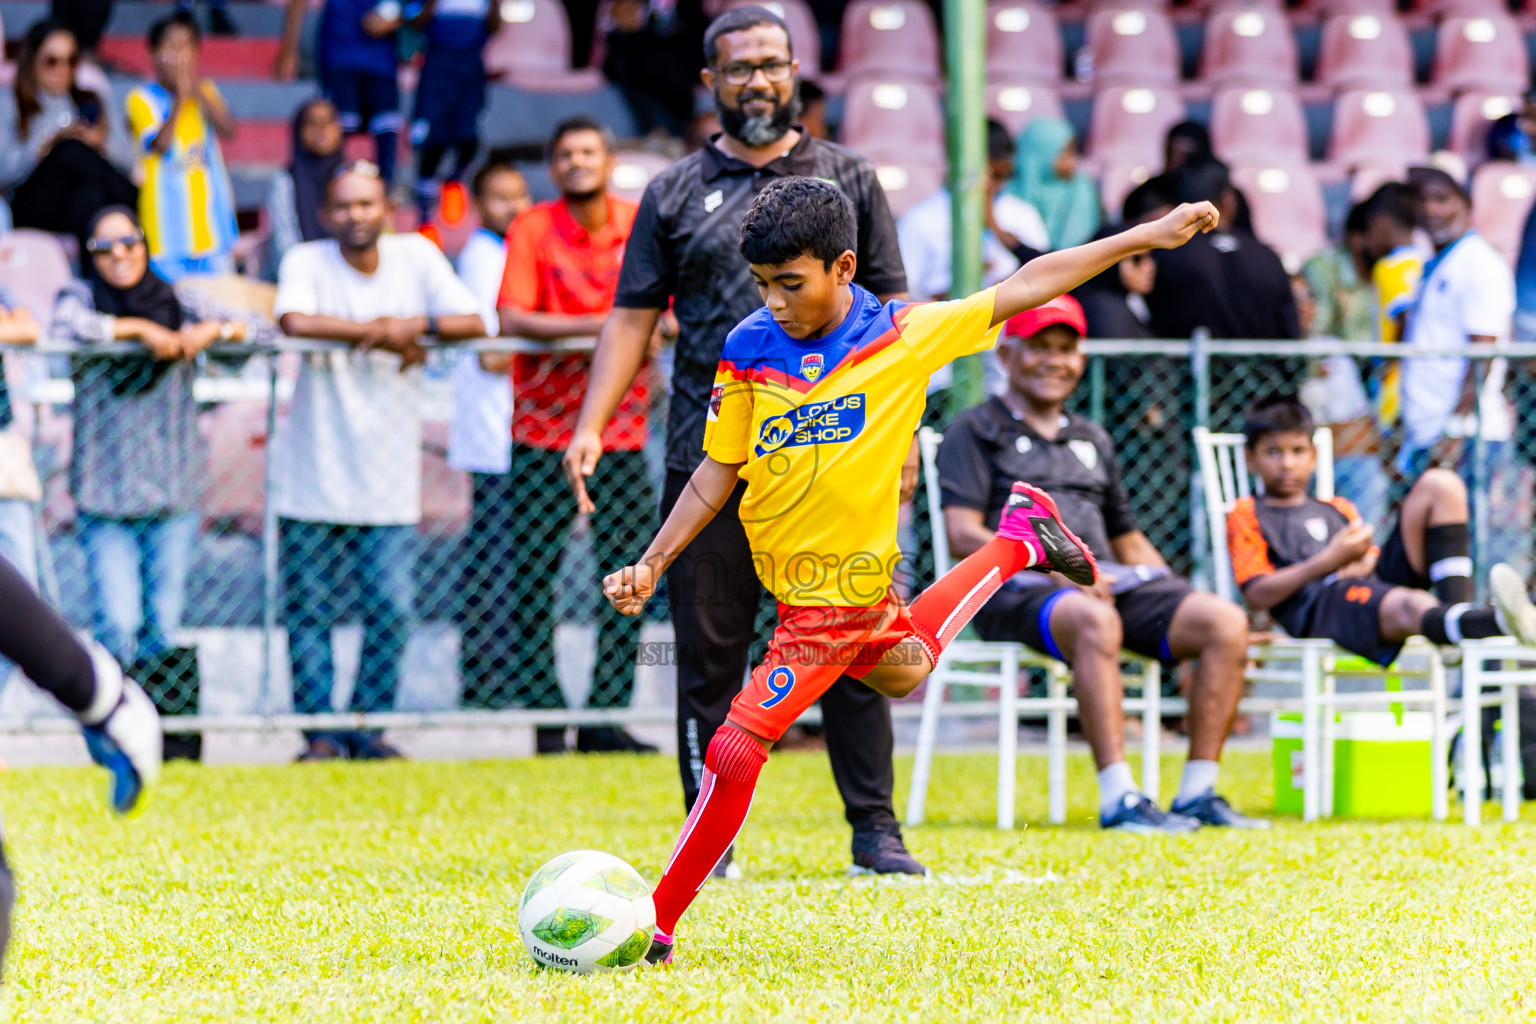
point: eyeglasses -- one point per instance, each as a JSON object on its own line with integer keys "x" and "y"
{"x": 51, "y": 61}
{"x": 102, "y": 246}
{"x": 741, "y": 74}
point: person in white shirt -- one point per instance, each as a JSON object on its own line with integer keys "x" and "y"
{"x": 348, "y": 474}
{"x": 480, "y": 444}
{"x": 1466, "y": 295}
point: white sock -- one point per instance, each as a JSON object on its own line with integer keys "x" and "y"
{"x": 1199, "y": 779}
{"x": 1114, "y": 782}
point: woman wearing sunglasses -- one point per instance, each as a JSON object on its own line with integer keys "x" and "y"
{"x": 139, "y": 464}
{"x": 63, "y": 149}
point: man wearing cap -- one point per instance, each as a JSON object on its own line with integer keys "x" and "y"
{"x": 1026, "y": 434}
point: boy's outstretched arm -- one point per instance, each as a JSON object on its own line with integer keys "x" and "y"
{"x": 1055, "y": 273}
{"x": 708, "y": 490}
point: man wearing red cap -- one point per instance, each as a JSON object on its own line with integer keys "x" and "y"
{"x": 1137, "y": 603}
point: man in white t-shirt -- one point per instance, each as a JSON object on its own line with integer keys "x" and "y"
{"x": 1466, "y": 294}
{"x": 480, "y": 444}
{"x": 348, "y": 473}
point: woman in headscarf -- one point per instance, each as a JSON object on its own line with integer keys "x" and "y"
{"x": 1049, "y": 180}
{"x": 139, "y": 463}
{"x": 63, "y": 149}
{"x": 293, "y": 205}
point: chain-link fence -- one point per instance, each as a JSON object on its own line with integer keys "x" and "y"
{"x": 296, "y": 529}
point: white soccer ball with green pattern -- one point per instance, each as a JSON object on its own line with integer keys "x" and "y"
{"x": 587, "y": 912}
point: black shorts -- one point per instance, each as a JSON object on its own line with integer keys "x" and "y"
{"x": 1348, "y": 611}
{"x": 1023, "y": 615}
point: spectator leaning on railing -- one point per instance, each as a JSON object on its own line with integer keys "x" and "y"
{"x": 563, "y": 260}
{"x": 349, "y": 451}
{"x": 139, "y": 463}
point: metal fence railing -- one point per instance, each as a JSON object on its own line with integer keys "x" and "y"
{"x": 165, "y": 528}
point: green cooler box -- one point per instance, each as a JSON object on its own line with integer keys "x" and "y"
{"x": 1381, "y": 764}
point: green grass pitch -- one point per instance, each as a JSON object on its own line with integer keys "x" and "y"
{"x": 388, "y": 892}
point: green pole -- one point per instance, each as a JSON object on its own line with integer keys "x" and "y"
{"x": 965, "y": 51}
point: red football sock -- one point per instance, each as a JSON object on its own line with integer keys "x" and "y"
{"x": 731, "y": 766}
{"x": 944, "y": 608}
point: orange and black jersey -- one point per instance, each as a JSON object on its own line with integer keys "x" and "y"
{"x": 1263, "y": 538}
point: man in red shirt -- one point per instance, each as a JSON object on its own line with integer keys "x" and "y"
{"x": 563, "y": 260}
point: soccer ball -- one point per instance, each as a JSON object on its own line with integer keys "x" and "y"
{"x": 587, "y": 912}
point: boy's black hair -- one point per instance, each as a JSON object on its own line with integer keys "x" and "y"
{"x": 487, "y": 171}
{"x": 794, "y": 217}
{"x": 158, "y": 30}
{"x": 1359, "y": 218}
{"x": 1394, "y": 201}
{"x": 740, "y": 19}
{"x": 1152, "y": 194}
{"x": 1276, "y": 413}
{"x": 579, "y": 123}
{"x": 1000, "y": 145}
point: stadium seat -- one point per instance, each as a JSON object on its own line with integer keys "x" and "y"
{"x": 1367, "y": 178}
{"x": 34, "y": 267}
{"x": 1483, "y": 52}
{"x": 1132, "y": 45}
{"x": 1364, "y": 50}
{"x": 907, "y": 183}
{"x": 1130, "y": 122}
{"x": 1502, "y": 195}
{"x": 1248, "y": 44}
{"x": 1254, "y": 126}
{"x": 222, "y": 56}
{"x": 1015, "y": 104}
{"x": 1471, "y": 116}
{"x": 1116, "y": 181}
{"x": 260, "y": 142}
{"x": 633, "y": 171}
{"x": 1023, "y": 42}
{"x": 890, "y": 37}
{"x": 1288, "y": 212}
{"x": 532, "y": 49}
{"x": 1375, "y": 125}
{"x": 902, "y": 120}
{"x": 804, "y": 35}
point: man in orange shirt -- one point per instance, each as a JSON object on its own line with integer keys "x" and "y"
{"x": 563, "y": 260}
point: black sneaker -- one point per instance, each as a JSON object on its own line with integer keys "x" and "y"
{"x": 1211, "y": 809}
{"x": 661, "y": 950}
{"x": 376, "y": 749}
{"x": 881, "y": 852}
{"x": 322, "y": 750}
{"x": 1137, "y": 813}
{"x": 608, "y": 739}
{"x": 549, "y": 739}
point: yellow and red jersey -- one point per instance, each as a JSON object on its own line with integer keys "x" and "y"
{"x": 823, "y": 427}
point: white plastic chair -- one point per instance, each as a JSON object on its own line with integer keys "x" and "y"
{"x": 980, "y": 663}
{"x": 1312, "y": 665}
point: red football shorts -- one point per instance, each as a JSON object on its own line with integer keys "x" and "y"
{"x": 811, "y": 648}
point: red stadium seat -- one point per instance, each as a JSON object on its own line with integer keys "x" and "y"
{"x": 1470, "y": 117}
{"x": 1502, "y": 196}
{"x": 1377, "y": 125}
{"x": 1130, "y": 122}
{"x": 265, "y": 142}
{"x": 890, "y": 37}
{"x": 1023, "y": 42}
{"x": 1288, "y": 212}
{"x": 34, "y": 267}
{"x": 1369, "y": 177}
{"x": 1015, "y": 104}
{"x": 804, "y": 35}
{"x": 1248, "y": 44}
{"x": 1132, "y": 44}
{"x": 1256, "y": 126}
{"x": 899, "y": 120}
{"x": 907, "y": 183}
{"x": 1364, "y": 50}
{"x": 222, "y": 57}
{"x": 532, "y": 49}
{"x": 1485, "y": 51}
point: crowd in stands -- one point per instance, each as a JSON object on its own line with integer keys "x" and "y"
{"x": 138, "y": 189}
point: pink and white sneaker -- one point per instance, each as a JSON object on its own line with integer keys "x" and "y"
{"x": 1030, "y": 517}
{"x": 660, "y": 952}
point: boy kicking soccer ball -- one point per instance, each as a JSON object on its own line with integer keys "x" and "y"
{"x": 814, "y": 404}
{"x": 1314, "y": 564}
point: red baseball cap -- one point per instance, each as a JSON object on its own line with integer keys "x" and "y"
{"x": 1063, "y": 309}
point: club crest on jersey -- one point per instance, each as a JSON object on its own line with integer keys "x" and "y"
{"x": 1317, "y": 528}
{"x": 811, "y": 364}
{"x": 1086, "y": 453}
{"x": 716, "y": 396}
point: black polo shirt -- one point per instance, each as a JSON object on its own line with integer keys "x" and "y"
{"x": 987, "y": 448}
{"x": 682, "y": 249}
